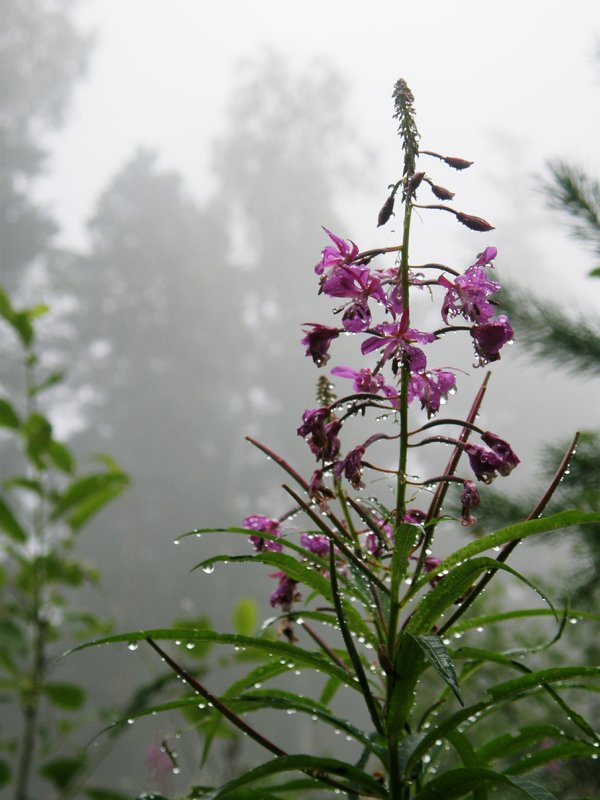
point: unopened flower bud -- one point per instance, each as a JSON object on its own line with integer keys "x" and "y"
{"x": 457, "y": 163}
{"x": 441, "y": 193}
{"x": 474, "y": 223}
{"x": 386, "y": 211}
{"x": 469, "y": 499}
{"x": 413, "y": 184}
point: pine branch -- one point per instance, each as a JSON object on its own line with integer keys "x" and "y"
{"x": 572, "y": 191}
{"x": 573, "y": 343}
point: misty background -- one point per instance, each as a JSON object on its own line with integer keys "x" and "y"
{"x": 165, "y": 171}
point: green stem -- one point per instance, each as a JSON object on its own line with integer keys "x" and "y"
{"x": 30, "y": 704}
{"x": 395, "y": 783}
{"x": 30, "y": 698}
{"x": 403, "y": 455}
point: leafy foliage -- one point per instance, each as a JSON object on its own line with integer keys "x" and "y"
{"x": 42, "y": 510}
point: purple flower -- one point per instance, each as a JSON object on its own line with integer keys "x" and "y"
{"x": 484, "y": 463}
{"x": 318, "y": 341}
{"x": 396, "y": 338}
{"x": 503, "y": 450}
{"x": 286, "y": 593}
{"x": 490, "y": 338}
{"x": 469, "y": 499}
{"x": 374, "y": 543}
{"x": 344, "y": 252}
{"x": 352, "y": 467}
{"x": 468, "y": 295}
{"x": 357, "y": 283}
{"x": 432, "y": 389}
{"x": 363, "y": 380}
{"x": 321, "y": 435}
{"x": 317, "y": 490}
{"x": 415, "y": 516}
{"x": 319, "y": 545}
{"x": 485, "y": 258}
{"x": 257, "y": 522}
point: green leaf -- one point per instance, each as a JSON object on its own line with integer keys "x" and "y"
{"x": 437, "y": 654}
{"x": 5, "y": 773}
{"x": 51, "y": 380}
{"x": 287, "y": 701}
{"x": 298, "y": 656}
{"x": 86, "y": 496}
{"x": 459, "y": 782}
{"x": 8, "y": 416}
{"x": 97, "y": 793}
{"x": 28, "y": 484}
{"x": 558, "y": 752}
{"x": 245, "y": 616}
{"x": 373, "y": 707}
{"x": 12, "y": 637}
{"x": 521, "y": 530}
{"x": 357, "y": 779}
{"x": 431, "y": 607}
{"x": 595, "y": 273}
{"x": 61, "y": 771}
{"x": 61, "y": 456}
{"x": 303, "y": 573}
{"x": 68, "y": 696}
{"x": 405, "y": 537}
{"x": 533, "y": 680}
{"x": 10, "y": 524}
{"x": 508, "y": 743}
{"x": 37, "y": 431}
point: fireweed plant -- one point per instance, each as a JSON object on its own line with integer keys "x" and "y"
{"x": 362, "y": 600}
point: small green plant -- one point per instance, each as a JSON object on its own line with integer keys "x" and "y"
{"x": 362, "y": 599}
{"x": 45, "y": 502}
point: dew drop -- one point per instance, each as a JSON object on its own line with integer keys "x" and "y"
{"x": 132, "y": 646}
{"x": 208, "y": 568}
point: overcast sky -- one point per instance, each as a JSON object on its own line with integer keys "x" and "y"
{"x": 507, "y": 85}
{"x": 484, "y": 74}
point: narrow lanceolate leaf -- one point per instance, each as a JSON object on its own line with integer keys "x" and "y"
{"x": 521, "y": 530}
{"x": 298, "y": 656}
{"x": 437, "y": 654}
{"x": 286, "y": 701}
{"x": 350, "y": 646}
{"x": 10, "y": 524}
{"x": 478, "y": 654}
{"x": 558, "y": 752}
{"x": 511, "y": 743}
{"x": 405, "y": 538}
{"x": 346, "y": 776}
{"x": 8, "y": 416}
{"x": 441, "y": 730}
{"x": 452, "y": 587}
{"x": 305, "y": 574}
{"x": 540, "y": 678}
{"x": 460, "y": 782}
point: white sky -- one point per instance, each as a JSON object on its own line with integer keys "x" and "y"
{"x": 507, "y": 85}
{"x": 483, "y": 74}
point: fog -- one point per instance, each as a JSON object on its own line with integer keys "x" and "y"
{"x": 200, "y": 150}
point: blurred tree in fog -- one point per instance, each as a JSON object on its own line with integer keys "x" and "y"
{"x": 42, "y": 54}
{"x": 187, "y": 312}
{"x": 289, "y": 151}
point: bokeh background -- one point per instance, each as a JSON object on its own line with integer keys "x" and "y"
{"x": 166, "y": 168}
